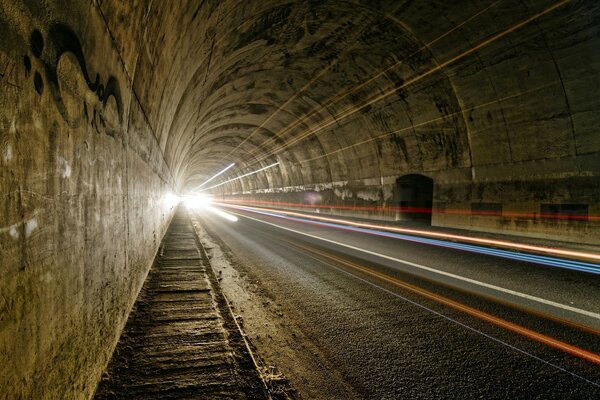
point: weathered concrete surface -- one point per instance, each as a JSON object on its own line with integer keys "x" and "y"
{"x": 177, "y": 343}
{"x": 84, "y": 198}
{"x": 106, "y": 106}
{"x": 494, "y": 100}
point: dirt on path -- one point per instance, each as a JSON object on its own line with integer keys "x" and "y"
{"x": 181, "y": 340}
{"x": 290, "y": 361}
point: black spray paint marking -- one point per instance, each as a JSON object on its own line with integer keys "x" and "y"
{"x": 62, "y": 40}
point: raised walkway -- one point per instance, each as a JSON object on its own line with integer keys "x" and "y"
{"x": 181, "y": 341}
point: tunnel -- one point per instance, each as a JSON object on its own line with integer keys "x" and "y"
{"x": 472, "y": 123}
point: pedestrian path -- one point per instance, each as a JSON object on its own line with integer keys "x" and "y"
{"x": 180, "y": 341}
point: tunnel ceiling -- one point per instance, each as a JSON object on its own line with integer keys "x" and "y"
{"x": 350, "y": 90}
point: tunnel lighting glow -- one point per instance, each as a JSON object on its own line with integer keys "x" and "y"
{"x": 197, "y": 201}
{"x": 222, "y": 214}
{"x": 213, "y": 177}
{"x": 171, "y": 199}
{"x": 381, "y": 230}
{"x": 201, "y": 202}
{"x": 242, "y": 176}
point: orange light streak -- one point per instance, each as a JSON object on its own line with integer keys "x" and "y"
{"x": 340, "y": 96}
{"x": 462, "y": 238}
{"x": 352, "y": 110}
{"x": 447, "y": 211}
{"x": 424, "y": 123}
{"x": 511, "y": 326}
{"x": 308, "y": 84}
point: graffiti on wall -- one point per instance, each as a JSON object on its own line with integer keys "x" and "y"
{"x": 60, "y": 41}
{"x": 7, "y": 69}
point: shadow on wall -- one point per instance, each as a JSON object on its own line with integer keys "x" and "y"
{"x": 414, "y": 196}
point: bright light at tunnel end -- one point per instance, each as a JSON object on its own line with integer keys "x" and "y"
{"x": 171, "y": 199}
{"x": 197, "y": 201}
{"x": 200, "y": 202}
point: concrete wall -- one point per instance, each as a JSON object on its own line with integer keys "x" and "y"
{"x": 520, "y": 202}
{"x": 84, "y": 198}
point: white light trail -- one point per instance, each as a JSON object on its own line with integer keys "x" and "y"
{"x": 222, "y": 214}
{"x": 201, "y": 202}
{"x": 242, "y": 176}
{"x": 595, "y": 257}
{"x": 422, "y": 267}
{"x": 213, "y": 177}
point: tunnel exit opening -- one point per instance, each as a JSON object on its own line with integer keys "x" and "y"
{"x": 414, "y": 195}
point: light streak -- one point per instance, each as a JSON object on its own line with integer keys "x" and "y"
{"x": 242, "y": 176}
{"x": 222, "y": 214}
{"x": 393, "y": 209}
{"x": 401, "y": 233}
{"x": 201, "y": 202}
{"x": 213, "y": 177}
{"x": 352, "y": 110}
{"x": 340, "y": 96}
{"x": 433, "y": 120}
{"x": 328, "y": 66}
{"x": 399, "y": 261}
{"x": 511, "y": 326}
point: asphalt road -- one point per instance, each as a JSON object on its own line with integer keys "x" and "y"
{"x": 390, "y": 326}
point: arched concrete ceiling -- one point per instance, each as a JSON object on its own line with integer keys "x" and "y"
{"x": 349, "y": 90}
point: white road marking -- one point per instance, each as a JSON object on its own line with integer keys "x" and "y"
{"x": 448, "y": 274}
{"x": 502, "y": 342}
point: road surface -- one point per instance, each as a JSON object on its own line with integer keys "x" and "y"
{"x": 381, "y": 318}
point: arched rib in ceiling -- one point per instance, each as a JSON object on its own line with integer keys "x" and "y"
{"x": 351, "y": 90}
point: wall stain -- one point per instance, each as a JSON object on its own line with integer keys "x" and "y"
{"x": 38, "y": 83}
{"x": 62, "y": 40}
{"x": 27, "y": 64}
